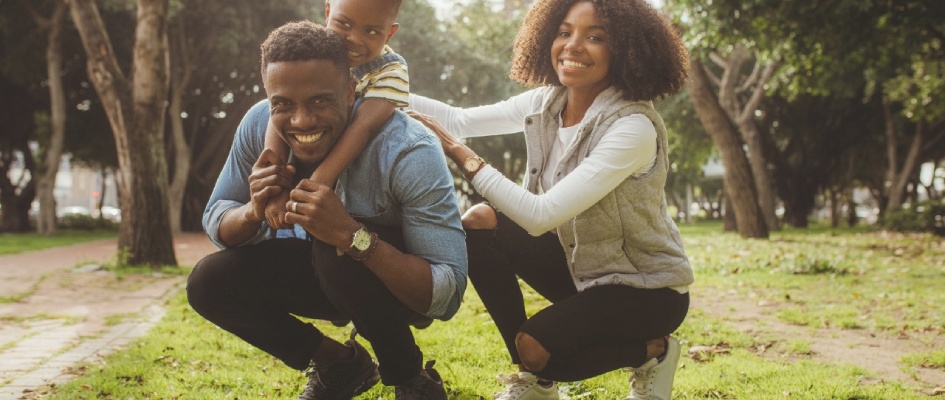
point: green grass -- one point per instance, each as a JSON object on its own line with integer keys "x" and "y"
{"x": 852, "y": 279}
{"x": 934, "y": 359}
{"x": 12, "y": 243}
{"x": 856, "y": 279}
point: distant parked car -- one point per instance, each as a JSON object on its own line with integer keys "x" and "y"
{"x": 112, "y": 214}
{"x": 72, "y": 210}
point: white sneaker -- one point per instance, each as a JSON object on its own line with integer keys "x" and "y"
{"x": 654, "y": 380}
{"x": 524, "y": 386}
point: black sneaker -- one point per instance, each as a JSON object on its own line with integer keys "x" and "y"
{"x": 426, "y": 386}
{"x": 341, "y": 380}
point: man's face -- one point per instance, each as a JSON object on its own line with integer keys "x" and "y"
{"x": 309, "y": 103}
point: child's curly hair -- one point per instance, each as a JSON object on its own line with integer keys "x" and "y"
{"x": 649, "y": 58}
{"x": 303, "y": 41}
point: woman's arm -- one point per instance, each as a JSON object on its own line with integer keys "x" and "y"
{"x": 627, "y": 149}
{"x": 501, "y": 118}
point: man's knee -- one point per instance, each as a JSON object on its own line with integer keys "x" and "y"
{"x": 200, "y": 284}
{"x": 480, "y": 216}
{"x": 533, "y": 355}
{"x": 212, "y": 278}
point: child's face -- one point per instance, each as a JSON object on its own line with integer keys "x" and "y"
{"x": 366, "y": 24}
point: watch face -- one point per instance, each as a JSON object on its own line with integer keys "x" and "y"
{"x": 362, "y": 240}
{"x": 472, "y": 164}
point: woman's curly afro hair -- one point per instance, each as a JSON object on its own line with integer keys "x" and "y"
{"x": 649, "y": 59}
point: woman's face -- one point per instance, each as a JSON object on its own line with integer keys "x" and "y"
{"x": 581, "y": 52}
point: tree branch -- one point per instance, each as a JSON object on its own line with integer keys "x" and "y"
{"x": 754, "y": 102}
{"x": 43, "y": 22}
{"x": 752, "y": 78}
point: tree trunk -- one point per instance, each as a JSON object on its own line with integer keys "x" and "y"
{"x": 739, "y": 183}
{"x": 687, "y": 208}
{"x": 743, "y": 117}
{"x": 835, "y": 207}
{"x": 897, "y": 178}
{"x": 135, "y": 111}
{"x": 46, "y": 185}
{"x": 16, "y": 196}
{"x": 728, "y": 216}
{"x": 180, "y": 149}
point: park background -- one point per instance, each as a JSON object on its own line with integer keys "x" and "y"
{"x": 799, "y": 117}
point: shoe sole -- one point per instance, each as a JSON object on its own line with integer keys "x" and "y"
{"x": 368, "y": 383}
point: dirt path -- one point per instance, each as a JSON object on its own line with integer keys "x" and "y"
{"x": 876, "y": 352}
{"x": 50, "y": 285}
{"x": 59, "y": 307}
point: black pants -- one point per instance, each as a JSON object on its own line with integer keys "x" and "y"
{"x": 254, "y": 292}
{"x": 587, "y": 333}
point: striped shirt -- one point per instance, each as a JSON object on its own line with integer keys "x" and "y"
{"x": 384, "y": 77}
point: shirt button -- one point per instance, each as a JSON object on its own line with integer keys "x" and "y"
{"x": 571, "y": 245}
{"x": 534, "y": 170}
{"x": 528, "y": 121}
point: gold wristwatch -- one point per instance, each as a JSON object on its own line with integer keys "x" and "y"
{"x": 473, "y": 165}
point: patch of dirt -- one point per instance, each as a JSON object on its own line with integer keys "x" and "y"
{"x": 878, "y": 352}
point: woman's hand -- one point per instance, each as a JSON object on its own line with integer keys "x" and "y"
{"x": 452, "y": 147}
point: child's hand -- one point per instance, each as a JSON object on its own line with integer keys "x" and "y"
{"x": 275, "y": 211}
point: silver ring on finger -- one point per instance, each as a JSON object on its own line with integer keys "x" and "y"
{"x": 295, "y": 206}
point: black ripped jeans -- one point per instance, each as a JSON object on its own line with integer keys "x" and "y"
{"x": 254, "y": 292}
{"x": 587, "y": 333}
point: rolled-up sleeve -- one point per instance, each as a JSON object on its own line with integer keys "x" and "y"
{"x": 431, "y": 222}
{"x": 232, "y": 187}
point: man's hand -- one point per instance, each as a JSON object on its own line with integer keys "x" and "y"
{"x": 319, "y": 210}
{"x": 270, "y": 179}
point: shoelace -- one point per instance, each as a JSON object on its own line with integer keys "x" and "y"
{"x": 641, "y": 381}
{"x": 314, "y": 377}
{"x": 515, "y": 383}
{"x": 312, "y": 371}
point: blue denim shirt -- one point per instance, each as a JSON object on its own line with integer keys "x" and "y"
{"x": 400, "y": 179}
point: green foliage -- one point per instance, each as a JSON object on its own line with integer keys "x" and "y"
{"x": 85, "y": 223}
{"x": 924, "y": 217}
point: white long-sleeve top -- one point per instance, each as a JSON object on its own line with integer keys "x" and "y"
{"x": 628, "y": 148}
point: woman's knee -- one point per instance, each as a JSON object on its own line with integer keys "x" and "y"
{"x": 480, "y": 216}
{"x": 533, "y": 355}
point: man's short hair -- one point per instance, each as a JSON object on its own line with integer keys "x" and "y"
{"x": 304, "y": 41}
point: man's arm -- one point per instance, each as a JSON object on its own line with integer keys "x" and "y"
{"x": 422, "y": 183}
{"x": 232, "y": 189}
{"x": 321, "y": 212}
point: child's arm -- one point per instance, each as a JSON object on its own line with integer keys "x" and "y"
{"x": 368, "y": 119}
{"x": 275, "y": 208}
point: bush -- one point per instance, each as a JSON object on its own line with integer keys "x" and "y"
{"x": 85, "y": 222}
{"x": 924, "y": 217}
